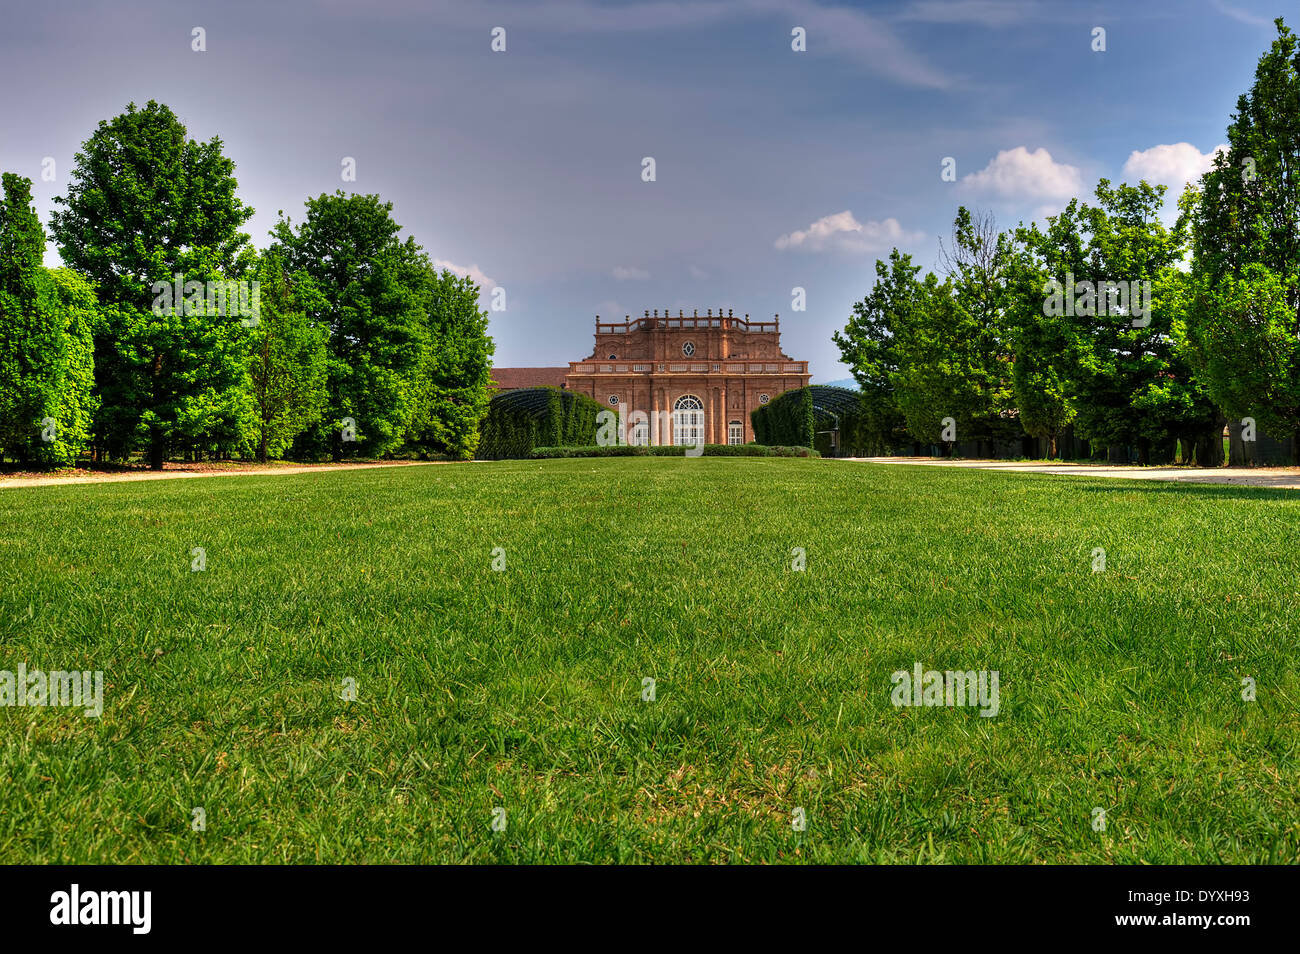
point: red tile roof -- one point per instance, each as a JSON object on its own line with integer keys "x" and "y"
{"x": 508, "y": 379}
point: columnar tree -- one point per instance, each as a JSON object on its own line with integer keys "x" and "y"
{"x": 286, "y": 357}
{"x": 451, "y": 383}
{"x": 46, "y": 359}
{"x": 71, "y": 299}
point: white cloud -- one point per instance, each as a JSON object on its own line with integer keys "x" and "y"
{"x": 843, "y": 31}
{"x": 697, "y": 272}
{"x": 630, "y": 274}
{"x": 843, "y": 232}
{"x": 989, "y": 13}
{"x": 860, "y": 38}
{"x": 473, "y": 271}
{"x": 1241, "y": 16}
{"x": 1174, "y": 165}
{"x": 1032, "y": 176}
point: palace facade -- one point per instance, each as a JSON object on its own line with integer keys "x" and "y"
{"x": 686, "y": 379}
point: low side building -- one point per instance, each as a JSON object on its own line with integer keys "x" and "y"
{"x": 514, "y": 379}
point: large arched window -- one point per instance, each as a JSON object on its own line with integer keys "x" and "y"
{"x": 688, "y": 421}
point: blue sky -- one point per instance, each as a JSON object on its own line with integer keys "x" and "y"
{"x": 775, "y": 169}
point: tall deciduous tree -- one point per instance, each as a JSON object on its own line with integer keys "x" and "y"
{"x": 408, "y": 349}
{"x": 936, "y": 355}
{"x": 951, "y": 348}
{"x": 979, "y": 261}
{"x": 349, "y": 245}
{"x": 1042, "y": 349}
{"x": 868, "y": 346}
{"x": 1242, "y": 319}
{"x": 146, "y": 203}
{"x": 1125, "y": 377}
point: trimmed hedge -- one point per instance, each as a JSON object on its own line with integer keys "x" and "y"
{"x": 670, "y": 450}
{"x": 795, "y": 417}
{"x": 786, "y": 420}
{"x": 518, "y": 421}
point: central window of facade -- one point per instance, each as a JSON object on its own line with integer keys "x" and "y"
{"x": 735, "y": 432}
{"x": 688, "y": 421}
{"x": 688, "y": 348}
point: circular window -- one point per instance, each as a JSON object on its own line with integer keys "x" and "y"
{"x": 613, "y": 399}
{"x": 688, "y": 349}
{"x": 763, "y": 399}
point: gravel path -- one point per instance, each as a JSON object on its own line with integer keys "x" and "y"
{"x": 177, "y": 471}
{"x": 1285, "y": 478}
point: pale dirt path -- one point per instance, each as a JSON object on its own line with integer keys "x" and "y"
{"x": 1282, "y": 478}
{"x": 181, "y": 472}
{"x": 1278, "y": 477}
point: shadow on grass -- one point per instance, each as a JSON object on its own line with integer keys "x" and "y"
{"x": 1196, "y": 488}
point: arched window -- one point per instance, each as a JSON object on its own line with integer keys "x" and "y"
{"x": 688, "y": 421}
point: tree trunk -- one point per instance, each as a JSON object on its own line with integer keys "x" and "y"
{"x": 155, "y": 439}
{"x": 1237, "y": 454}
{"x": 1209, "y": 446}
{"x": 261, "y": 392}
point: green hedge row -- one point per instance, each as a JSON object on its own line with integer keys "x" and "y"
{"x": 787, "y": 419}
{"x": 802, "y": 417}
{"x": 518, "y": 421}
{"x": 668, "y": 450}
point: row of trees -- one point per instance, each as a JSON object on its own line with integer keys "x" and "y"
{"x": 1036, "y": 330}
{"x": 358, "y": 345}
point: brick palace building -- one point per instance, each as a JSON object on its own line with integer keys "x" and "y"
{"x": 696, "y": 377}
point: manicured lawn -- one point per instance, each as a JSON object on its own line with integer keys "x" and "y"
{"x": 522, "y": 688}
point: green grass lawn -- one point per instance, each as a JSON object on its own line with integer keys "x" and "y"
{"x": 522, "y": 689}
